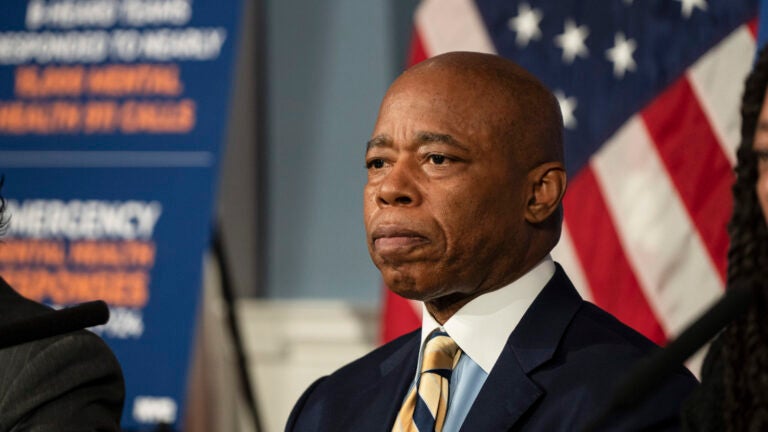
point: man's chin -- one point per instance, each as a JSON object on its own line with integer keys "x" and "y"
{"x": 408, "y": 288}
{"x": 408, "y": 281}
{"x": 409, "y": 293}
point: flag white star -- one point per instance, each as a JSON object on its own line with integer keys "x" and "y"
{"x": 526, "y": 24}
{"x": 686, "y": 7}
{"x": 567, "y": 107}
{"x": 572, "y": 41}
{"x": 621, "y": 55}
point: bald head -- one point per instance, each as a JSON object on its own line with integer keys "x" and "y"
{"x": 515, "y": 106}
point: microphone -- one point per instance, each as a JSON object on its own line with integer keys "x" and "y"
{"x": 649, "y": 372}
{"x": 54, "y": 323}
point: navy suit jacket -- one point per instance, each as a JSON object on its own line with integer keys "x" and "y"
{"x": 556, "y": 373}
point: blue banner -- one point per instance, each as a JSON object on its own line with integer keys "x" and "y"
{"x": 112, "y": 119}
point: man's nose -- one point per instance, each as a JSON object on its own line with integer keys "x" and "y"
{"x": 399, "y": 187}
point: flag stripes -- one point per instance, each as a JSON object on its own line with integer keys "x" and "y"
{"x": 665, "y": 252}
{"x": 718, "y": 81}
{"x": 644, "y": 234}
{"x": 611, "y": 280}
{"x": 695, "y": 163}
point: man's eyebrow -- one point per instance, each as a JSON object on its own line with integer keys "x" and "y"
{"x": 762, "y": 125}
{"x": 421, "y": 138}
{"x": 378, "y": 141}
{"x": 430, "y": 137}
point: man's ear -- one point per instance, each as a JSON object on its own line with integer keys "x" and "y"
{"x": 548, "y": 182}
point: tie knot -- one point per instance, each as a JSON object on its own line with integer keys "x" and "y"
{"x": 439, "y": 353}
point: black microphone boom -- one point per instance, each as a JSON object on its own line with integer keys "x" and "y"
{"x": 53, "y": 323}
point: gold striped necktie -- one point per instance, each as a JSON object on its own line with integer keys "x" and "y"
{"x": 424, "y": 408}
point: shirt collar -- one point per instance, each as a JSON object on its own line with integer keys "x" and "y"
{"x": 482, "y": 326}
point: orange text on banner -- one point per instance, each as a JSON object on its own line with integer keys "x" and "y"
{"x": 112, "y": 254}
{"x": 63, "y": 286}
{"x": 32, "y": 252}
{"x": 109, "y": 80}
{"x": 129, "y": 117}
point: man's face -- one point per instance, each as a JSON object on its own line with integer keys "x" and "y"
{"x": 444, "y": 202}
{"x": 760, "y": 147}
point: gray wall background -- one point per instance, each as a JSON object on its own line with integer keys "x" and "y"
{"x": 310, "y": 77}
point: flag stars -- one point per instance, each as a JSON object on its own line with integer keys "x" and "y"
{"x": 621, "y": 55}
{"x": 687, "y": 6}
{"x": 526, "y": 25}
{"x": 567, "y": 108}
{"x": 572, "y": 41}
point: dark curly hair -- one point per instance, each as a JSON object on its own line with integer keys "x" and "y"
{"x": 745, "y": 341}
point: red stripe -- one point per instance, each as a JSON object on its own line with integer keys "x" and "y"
{"x": 610, "y": 277}
{"x": 417, "y": 52}
{"x": 696, "y": 164}
{"x": 753, "y": 27}
{"x": 398, "y": 317}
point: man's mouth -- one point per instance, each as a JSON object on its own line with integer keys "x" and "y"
{"x": 393, "y": 239}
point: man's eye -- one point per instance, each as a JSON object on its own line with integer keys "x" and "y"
{"x": 437, "y": 159}
{"x": 375, "y": 163}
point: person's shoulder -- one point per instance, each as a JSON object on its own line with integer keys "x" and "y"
{"x": 370, "y": 367}
{"x": 561, "y": 315}
{"x": 381, "y": 360}
{"x": 594, "y": 328}
{"x": 72, "y": 379}
{"x": 80, "y": 343}
{"x": 598, "y": 348}
{"x": 594, "y": 354}
{"x": 76, "y": 355}
{"x": 324, "y": 401}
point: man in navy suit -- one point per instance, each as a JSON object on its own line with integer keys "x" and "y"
{"x": 462, "y": 207}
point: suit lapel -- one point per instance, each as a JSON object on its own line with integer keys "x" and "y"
{"x": 509, "y": 391}
{"x": 505, "y": 397}
{"x": 397, "y": 374}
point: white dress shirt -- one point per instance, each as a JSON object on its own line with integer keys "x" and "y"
{"x": 481, "y": 329}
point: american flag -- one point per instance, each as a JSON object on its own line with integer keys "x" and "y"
{"x": 650, "y": 93}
